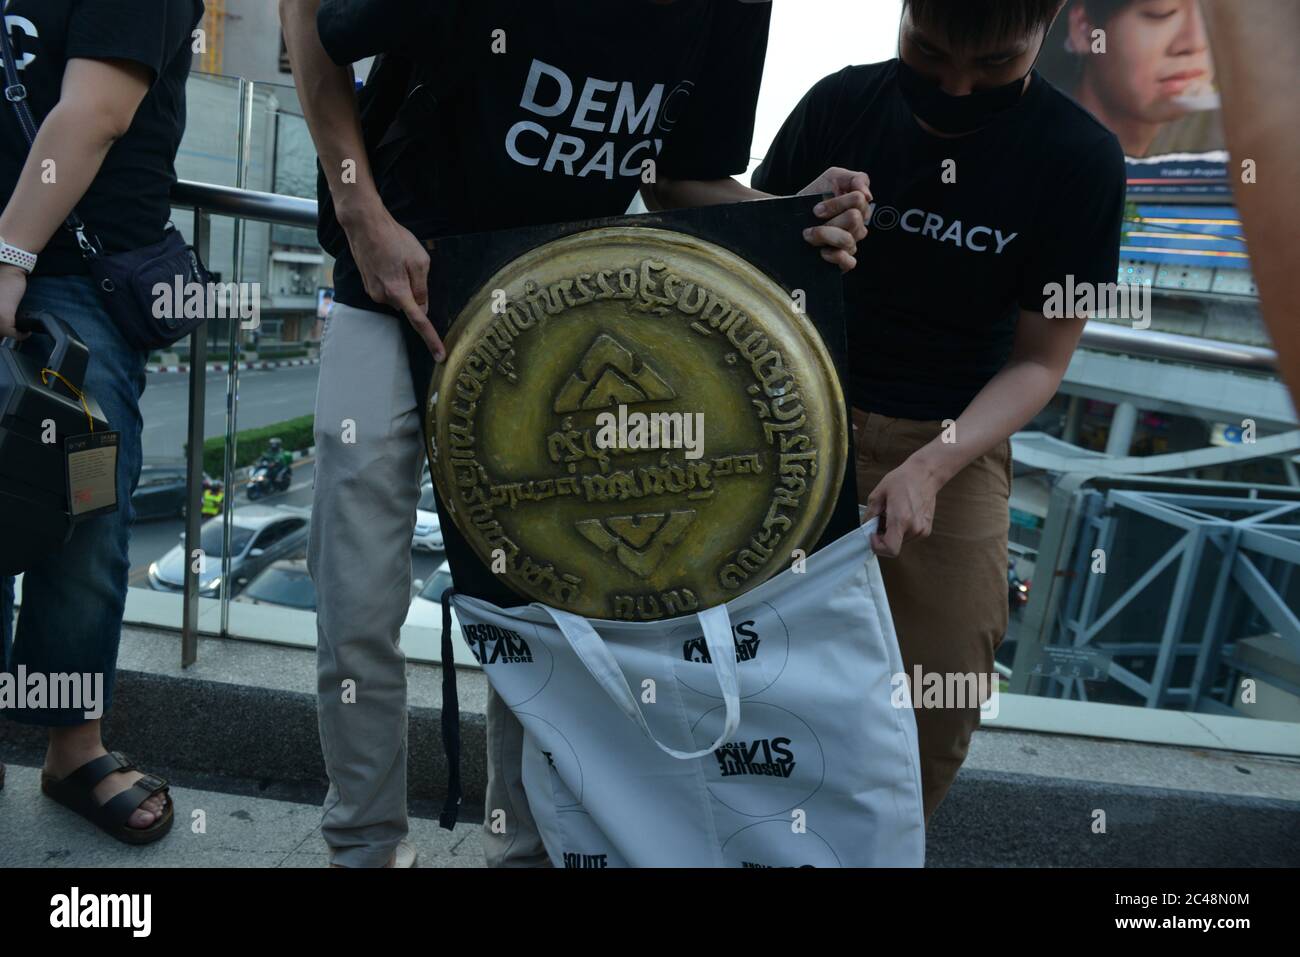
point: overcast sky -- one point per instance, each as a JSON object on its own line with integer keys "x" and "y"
{"x": 808, "y": 40}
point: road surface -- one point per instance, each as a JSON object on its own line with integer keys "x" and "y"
{"x": 265, "y": 396}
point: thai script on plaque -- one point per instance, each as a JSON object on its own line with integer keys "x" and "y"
{"x": 589, "y": 463}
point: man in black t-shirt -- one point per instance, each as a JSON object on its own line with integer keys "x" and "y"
{"x": 128, "y": 203}
{"x": 991, "y": 188}
{"x": 478, "y": 116}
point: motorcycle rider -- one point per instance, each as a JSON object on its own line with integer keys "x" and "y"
{"x": 276, "y": 464}
{"x": 276, "y": 454}
{"x": 277, "y": 460}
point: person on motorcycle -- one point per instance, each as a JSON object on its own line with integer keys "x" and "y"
{"x": 273, "y": 472}
{"x": 276, "y": 455}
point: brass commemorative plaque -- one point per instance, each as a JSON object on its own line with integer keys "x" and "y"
{"x": 634, "y": 423}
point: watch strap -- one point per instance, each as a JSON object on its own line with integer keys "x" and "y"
{"x": 13, "y": 256}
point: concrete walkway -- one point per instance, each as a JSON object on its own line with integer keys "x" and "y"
{"x": 240, "y": 831}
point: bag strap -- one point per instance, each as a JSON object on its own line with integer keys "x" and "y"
{"x": 599, "y": 660}
{"x": 450, "y": 720}
{"x": 16, "y": 93}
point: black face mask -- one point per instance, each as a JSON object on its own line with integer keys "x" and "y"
{"x": 955, "y": 114}
{"x": 960, "y": 114}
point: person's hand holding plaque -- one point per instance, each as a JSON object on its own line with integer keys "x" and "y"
{"x": 845, "y": 213}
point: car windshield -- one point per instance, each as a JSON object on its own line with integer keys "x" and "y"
{"x": 426, "y": 499}
{"x": 284, "y": 586}
{"x": 211, "y": 539}
{"x": 436, "y": 585}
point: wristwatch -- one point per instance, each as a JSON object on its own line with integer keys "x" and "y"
{"x": 14, "y": 256}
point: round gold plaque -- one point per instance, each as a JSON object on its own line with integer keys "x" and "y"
{"x": 633, "y": 423}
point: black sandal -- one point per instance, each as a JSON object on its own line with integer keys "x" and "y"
{"x": 77, "y": 793}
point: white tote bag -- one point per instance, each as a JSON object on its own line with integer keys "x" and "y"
{"x": 760, "y": 733}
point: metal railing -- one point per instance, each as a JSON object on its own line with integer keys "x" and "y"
{"x": 1108, "y": 337}
{"x": 245, "y": 203}
{"x": 207, "y": 199}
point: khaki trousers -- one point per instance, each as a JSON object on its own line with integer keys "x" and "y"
{"x": 947, "y": 592}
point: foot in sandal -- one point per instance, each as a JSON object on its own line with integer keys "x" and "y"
{"x": 74, "y": 746}
{"x": 110, "y": 792}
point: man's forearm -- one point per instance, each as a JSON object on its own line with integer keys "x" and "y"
{"x": 1011, "y": 398}
{"x": 1256, "y": 63}
{"x": 329, "y": 104}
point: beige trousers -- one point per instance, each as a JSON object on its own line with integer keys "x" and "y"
{"x": 947, "y": 592}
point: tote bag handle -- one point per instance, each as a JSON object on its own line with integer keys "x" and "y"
{"x": 599, "y": 660}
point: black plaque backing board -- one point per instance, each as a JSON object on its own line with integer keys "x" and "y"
{"x": 767, "y": 233}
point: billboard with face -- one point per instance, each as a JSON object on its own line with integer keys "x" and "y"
{"x": 1144, "y": 69}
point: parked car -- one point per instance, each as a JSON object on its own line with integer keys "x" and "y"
{"x": 428, "y": 528}
{"x": 259, "y": 536}
{"x": 160, "y": 493}
{"x": 285, "y": 582}
{"x": 426, "y": 606}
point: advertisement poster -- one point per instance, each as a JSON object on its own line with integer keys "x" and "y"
{"x": 1144, "y": 69}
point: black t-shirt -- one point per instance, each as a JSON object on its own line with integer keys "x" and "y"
{"x": 946, "y": 266}
{"x": 547, "y": 109}
{"x": 127, "y": 204}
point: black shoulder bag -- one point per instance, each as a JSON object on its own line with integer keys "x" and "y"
{"x": 125, "y": 280}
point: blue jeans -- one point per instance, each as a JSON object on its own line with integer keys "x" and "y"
{"x": 71, "y": 618}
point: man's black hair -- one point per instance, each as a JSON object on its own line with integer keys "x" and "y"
{"x": 974, "y": 23}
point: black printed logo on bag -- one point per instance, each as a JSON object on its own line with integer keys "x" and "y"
{"x": 746, "y": 638}
{"x": 491, "y": 645}
{"x": 787, "y": 867}
{"x": 769, "y": 756}
{"x": 585, "y": 860}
